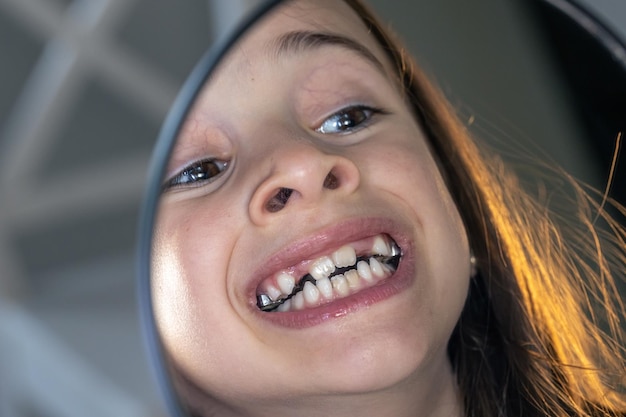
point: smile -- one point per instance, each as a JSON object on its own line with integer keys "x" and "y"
{"x": 348, "y": 270}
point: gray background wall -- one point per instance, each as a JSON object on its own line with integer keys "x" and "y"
{"x": 84, "y": 85}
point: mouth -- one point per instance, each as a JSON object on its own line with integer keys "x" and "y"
{"x": 348, "y": 270}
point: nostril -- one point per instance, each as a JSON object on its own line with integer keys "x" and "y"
{"x": 279, "y": 200}
{"x": 331, "y": 182}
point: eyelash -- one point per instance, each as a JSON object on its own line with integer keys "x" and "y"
{"x": 346, "y": 126}
{"x": 199, "y": 173}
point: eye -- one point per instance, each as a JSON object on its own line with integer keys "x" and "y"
{"x": 348, "y": 120}
{"x": 198, "y": 173}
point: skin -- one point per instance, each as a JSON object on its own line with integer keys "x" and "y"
{"x": 261, "y": 113}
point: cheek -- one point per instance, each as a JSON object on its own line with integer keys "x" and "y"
{"x": 443, "y": 249}
{"x": 189, "y": 287}
{"x": 422, "y": 186}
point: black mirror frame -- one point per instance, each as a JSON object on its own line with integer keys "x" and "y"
{"x": 592, "y": 57}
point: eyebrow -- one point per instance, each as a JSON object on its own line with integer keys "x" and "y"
{"x": 297, "y": 42}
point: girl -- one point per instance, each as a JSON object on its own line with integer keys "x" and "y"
{"x": 331, "y": 242}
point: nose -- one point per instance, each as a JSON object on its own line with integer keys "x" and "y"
{"x": 301, "y": 176}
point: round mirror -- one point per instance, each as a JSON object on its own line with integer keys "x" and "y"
{"x": 333, "y": 229}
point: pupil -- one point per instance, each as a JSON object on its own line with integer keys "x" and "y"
{"x": 346, "y": 121}
{"x": 197, "y": 173}
{"x": 203, "y": 170}
{"x": 351, "y": 118}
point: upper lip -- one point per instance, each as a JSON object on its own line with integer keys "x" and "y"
{"x": 323, "y": 242}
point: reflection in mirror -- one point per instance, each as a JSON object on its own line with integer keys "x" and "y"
{"x": 331, "y": 240}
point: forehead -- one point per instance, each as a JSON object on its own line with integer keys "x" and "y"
{"x": 332, "y": 22}
{"x": 316, "y": 15}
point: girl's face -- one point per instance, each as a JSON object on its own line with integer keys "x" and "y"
{"x": 301, "y": 156}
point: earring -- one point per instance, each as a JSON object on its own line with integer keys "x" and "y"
{"x": 473, "y": 267}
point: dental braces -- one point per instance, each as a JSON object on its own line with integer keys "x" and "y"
{"x": 265, "y": 303}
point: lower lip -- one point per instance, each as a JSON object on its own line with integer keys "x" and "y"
{"x": 398, "y": 282}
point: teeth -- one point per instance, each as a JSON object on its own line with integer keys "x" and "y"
{"x": 298, "y": 301}
{"x": 322, "y": 268}
{"x": 340, "y": 284}
{"x": 286, "y": 306}
{"x": 364, "y": 271}
{"x": 288, "y": 293}
{"x": 377, "y": 268}
{"x": 286, "y": 282}
{"x": 325, "y": 288}
{"x": 311, "y": 293}
{"x": 354, "y": 282}
{"x": 381, "y": 247}
{"x": 273, "y": 292}
{"x": 345, "y": 256}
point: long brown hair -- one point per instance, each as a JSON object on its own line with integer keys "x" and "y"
{"x": 540, "y": 332}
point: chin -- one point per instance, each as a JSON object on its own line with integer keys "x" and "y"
{"x": 367, "y": 355}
